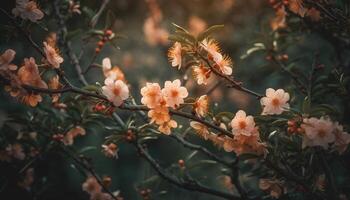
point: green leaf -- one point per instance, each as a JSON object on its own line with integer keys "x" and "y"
{"x": 209, "y": 31}
{"x": 306, "y": 105}
{"x": 88, "y": 148}
{"x": 179, "y": 28}
{"x": 177, "y": 38}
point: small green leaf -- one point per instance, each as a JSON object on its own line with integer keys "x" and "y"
{"x": 209, "y": 31}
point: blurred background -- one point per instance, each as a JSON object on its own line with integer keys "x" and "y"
{"x": 141, "y": 52}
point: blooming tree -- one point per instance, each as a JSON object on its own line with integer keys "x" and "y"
{"x": 287, "y": 146}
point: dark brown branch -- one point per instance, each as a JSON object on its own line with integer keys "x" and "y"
{"x": 201, "y": 149}
{"x": 232, "y": 83}
{"x": 191, "y": 186}
{"x": 68, "y": 47}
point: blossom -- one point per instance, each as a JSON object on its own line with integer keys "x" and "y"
{"x": 52, "y": 56}
{"x": 54, "y": 83}
{"x": 74, "y": 7}
{"x": 173, "y": 93}
{"x": 16, "y": 151}
{"x": 6, "y": 58}
{"x": 110, "y": 150}
{"x": 151, "y": 95}
{"x": 296, "y": 6}
{"x": 342, "y": 138}
{"x": 242, "y": 124}
{"x": 210, "y": 45}
{"x": 201, "y": 74}
{"x": 112, "y": 72}
{"x": 280, "y": 19}
{"x": 28, "y": 9}
{"x": 174, "y": 55}
{"x": 318, "y": 132}
{"x": 28, "y": 74}
{"x": 72, "y": 133}
{"x": 201, "y": 106}
{"x": 223, "y": 63}
{"x": 274, "y": 186}
{"x": 91, "y": 186}
{"x": 116, "y": 91}
{"x": 159, "y": 115}
{"x": 166, "y": 127}
{"x": 275, "y": 102}
{"x": 196, "y": 25}
{"x": 201, "y": 129}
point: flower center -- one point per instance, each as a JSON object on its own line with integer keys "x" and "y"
{"x": 174, "y": 93}
{"x": 242, "y": 125}
{"x": 275, "y": 102}
{"x": 116, "y": 91}
{"x": 322, "y": 133}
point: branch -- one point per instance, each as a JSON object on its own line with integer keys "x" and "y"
{"x": 191, "y": 186}
{"x": 201, "y": 149}
{"x": 233, "y": 84}
{"x": 63, "y": 32}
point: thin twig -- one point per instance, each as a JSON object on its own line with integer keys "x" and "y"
{"x": 191, "y": 186}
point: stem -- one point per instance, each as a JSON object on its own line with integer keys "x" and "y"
{"x": 191, "y": 186}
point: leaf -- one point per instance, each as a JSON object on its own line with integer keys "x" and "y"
{"x": 186, "y": 36}
{"x": 179, "y": 28}
{"x": 209, "y": 31}
{"x": 88, "y": 148}
{"x": 201, "y": 163}
{"x": 189, "y": 157}
{"x": 93, "y": 88}
{"x": 177, "y": 38}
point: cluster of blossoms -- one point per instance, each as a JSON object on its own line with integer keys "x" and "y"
{"x": 28, "y": 9}
{"x": 201, "y": 72}
{"x": 324, "y": 133}
{"x": 295, "y": 6}
{"x": 273, "y": 186}
{"x": 245, "y": 135}
{"x": 28, "y": 74}
{"x": 68, "y": 138}
{"x": 160, "y": 100}
{"x": 94, "y": 189}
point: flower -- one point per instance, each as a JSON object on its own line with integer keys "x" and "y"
{"x": 74, "y": 7}
{"x": 211, "y": 46}
{"x": 242, "y": 124}
{"x": 72, "y": 133}
{"x": 91, "y": 186}
{"x": 116, "y": 91}
{"x": 296, "y": 6}
{"x": 28, "y": 74}
{"x": 280, "y": 19}
{"x": 52, "y": 56}
{"x": 314, "y": 14}
{"x": 54, "y": 83}
{"x": 27, "y": 9}
{"x": 151, "y": 95}
{"x": 110, "y": 150}
{"x": 223, "y": 63}
{"x": 166, "y": 127}
{"x": 196, "y": 25}
{"x": 201, "y": 106}
{"x": 342, "y": 138}
{"x": 200, "y": 129}
{"x": 318, "y": 132}
{"x": 173, "y": 93}
{"x": 274, "y": 186}
{"x": 275, "y": 101}
{"x": 6, "y": 58}
{"x": 112, "y": 72}
{"x": 159, "y": 115}
{"x": 201, "y": 74}
{"x": 174, "y": 55}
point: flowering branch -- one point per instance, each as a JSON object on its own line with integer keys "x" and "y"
{"x": 63, "y": 32}
{"x": 232, "y": 83}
